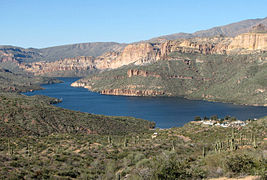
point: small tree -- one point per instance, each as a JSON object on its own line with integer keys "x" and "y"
{"x": 232, "y": 119}
{"x": 214, "y": 117}
{"x": 197, "y": 118}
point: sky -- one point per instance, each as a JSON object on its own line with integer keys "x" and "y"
{"x": 45, "y": 23}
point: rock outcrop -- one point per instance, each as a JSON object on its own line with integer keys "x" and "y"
{"x": 68, "y": 64}
{"x": 138, "y": 54}
{"x": 181, "y": 77}
{"x": 7, "y": 57}
{"x": 137, "y": 72}
{"x": 249, "y": 41}
{"x": 132, "y": 92}
{"x": 143, "y": 53}
{"x": 260, "y": 28}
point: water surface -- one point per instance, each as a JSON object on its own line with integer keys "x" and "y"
{"x": 165, "y": 111}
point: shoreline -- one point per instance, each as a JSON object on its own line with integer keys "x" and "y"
{"x": 76, "y": 85}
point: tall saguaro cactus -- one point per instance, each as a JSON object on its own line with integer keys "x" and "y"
{"x": 254, "y": 142}
{"x": 109, "y": 140}
{"x": 204, "y": 152}
{"x": 125, "y": 142}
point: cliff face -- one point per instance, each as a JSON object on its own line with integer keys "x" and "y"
{"x": 201, "y": 77}
{"x": 137, "y": 72}
{"x": 249, "y": 41}
{"x": 12, "y": 53}
{"x": 68, "y": 64}
{"x": 131, "y": 92}
{"x": 143, "y": 53}
{"x": 136, "y": 53}
{"x": 7, "y": 57}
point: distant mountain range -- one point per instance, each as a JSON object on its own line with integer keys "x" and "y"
{"x": 98, "y": 48}
{"x": 59, "y": 52}
{"x": 231, "y": 30}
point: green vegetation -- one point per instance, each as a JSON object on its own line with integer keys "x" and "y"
{"x": 175, "y": 153}
{"x": 21, "y": 82}
{"x": 229, "y": 78}
{"x": 41, "y": 141}
{"x": 22, "y": 115}
{"x": 59, "y": 52}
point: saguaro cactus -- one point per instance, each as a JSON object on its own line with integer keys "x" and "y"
{"x": 203, "y": 151}
{"x": 109, "y": 140}
{"x": 173, "y": 145}
{"x": 118, "y": 176}
{"x": 125, "y": 142}
{"x": 8, "y": 147}
{"x": 254, "y": 142}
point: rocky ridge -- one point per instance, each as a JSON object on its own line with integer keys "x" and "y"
{"x": 115, "y": 55}
{"x": 143, "y": 53}
{"x": 69, "y": 64}
{"x": 229, "y": 30}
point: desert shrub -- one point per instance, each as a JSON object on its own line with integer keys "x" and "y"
{"x": 70, "y": 173}
{"x": 143, "y": 163}
{"x": 173, "y": 170}
{"x": 240, "y": 163}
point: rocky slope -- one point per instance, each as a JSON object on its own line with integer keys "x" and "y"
{"x": 58, "y": 52}
{"x": 82, "y": 49}
{"x": 196, "y": 70}
{"x": 22, "y": 115}
{"x": 217, "y": 77}
{"x": 17, "y": 54}
{"x": 144, "y": 53}
{"x": 34, "y": 116}
{"x": 249, "y": 41}
{"x": 230, "y": 30}
{"x": 113, "y": 55}
{"x": 64, "y": 67}
{"x": 15, "y": 82}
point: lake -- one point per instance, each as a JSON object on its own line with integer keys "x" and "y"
{"x": 165, "y": 111}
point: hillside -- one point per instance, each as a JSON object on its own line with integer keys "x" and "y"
{"x": 195, "y": 151}
{"x": 83, "y": 49}
{"x": 229, "y": 78}
{"x": 21, "y": 82}
{"x": 18, "y": 54}
{"x": 230, "y": 30}
{"x": 22, "y": 115}
{"x": 145, "y": 53}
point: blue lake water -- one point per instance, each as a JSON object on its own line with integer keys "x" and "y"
{"x": 165, "y": 111}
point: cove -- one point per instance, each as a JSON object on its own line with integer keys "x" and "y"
{"x": 165, "y": 111}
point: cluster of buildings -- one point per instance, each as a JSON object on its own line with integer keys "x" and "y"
{"x": 224, "y": 124}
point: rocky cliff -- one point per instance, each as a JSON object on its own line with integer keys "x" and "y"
{"x": 249, "y": 41}
{"x": 7, "y": 57}
{"x": 144, "y": 53}
{"x": 137, "y": 72}
{"x": 131, "y": 92}
{"x": 136, "y": 53}
{"x": 69, "y": 64}
{"x": 238, "y": 78}
{"x": 17, "y": 54}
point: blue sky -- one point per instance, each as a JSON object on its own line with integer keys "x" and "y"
{"x": 44, "y": 23}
